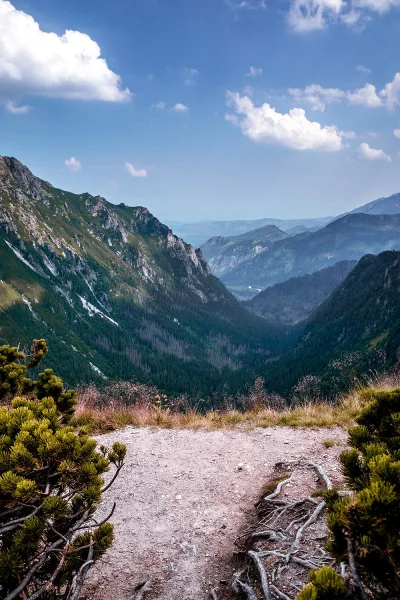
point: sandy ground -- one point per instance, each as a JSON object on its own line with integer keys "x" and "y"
{"x": 183, "y": 497}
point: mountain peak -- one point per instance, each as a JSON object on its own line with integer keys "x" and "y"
{"x": 11, "y": 167}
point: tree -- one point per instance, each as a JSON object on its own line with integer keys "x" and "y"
{"x": 50, "y": 484}
{"x": 365, "y": 525}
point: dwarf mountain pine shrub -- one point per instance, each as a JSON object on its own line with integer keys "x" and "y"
{"x": 365, "y": 526}
{"x": 50, "y": 485}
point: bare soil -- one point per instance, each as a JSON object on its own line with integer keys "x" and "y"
{"x": 184, "y": 496}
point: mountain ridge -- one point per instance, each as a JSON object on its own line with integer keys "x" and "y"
{"x": 116, "y": 293}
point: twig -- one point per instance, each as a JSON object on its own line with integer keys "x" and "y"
{"x": 247, "y": 590}
{"x": 214, "y": 594}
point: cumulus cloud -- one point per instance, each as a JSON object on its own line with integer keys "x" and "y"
{"x": 14, "y": 109}
{"x": 391, "y": 92}
{"x": 180, "y": 107}
{"x": 310, "y": 15}
{"x": 317, "y": 96}
{"x": 293, "y": 129}
{"x": 191, "y": 77}
{"x": 134, "y": 171}
{"x": 73, "y": 164}
{"x": 254, "y": 72}
{"x": 34, "y": 62}
{"x": 365, "y": 96}
{"x": 365, "y": 152}
{"x": 396, "y": 133}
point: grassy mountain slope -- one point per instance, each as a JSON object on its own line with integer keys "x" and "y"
{"x": 347, "y": 238}
{"x": 356, "y": 329}
{"x": 116, "y": 293}
{"x": 225, "y": 253}
{"x": 294, "y": 300}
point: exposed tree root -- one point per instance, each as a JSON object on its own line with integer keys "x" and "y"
{"x": 284, "y": 544}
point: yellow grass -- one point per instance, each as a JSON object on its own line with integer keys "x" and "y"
{"x": 309, "y": 414}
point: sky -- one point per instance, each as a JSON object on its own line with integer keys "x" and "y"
{"x": 206, "y": 109}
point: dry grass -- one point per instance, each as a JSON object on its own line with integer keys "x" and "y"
{"x": 144, "y": 409}
{"x": 310, "y": 413}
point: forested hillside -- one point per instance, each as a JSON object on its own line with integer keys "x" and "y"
{"x": 294, "y": 300}
{"x": 354, "y": 332}
{"x": 116, "y": 294}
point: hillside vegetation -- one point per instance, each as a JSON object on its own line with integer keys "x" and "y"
{"x": 356, "y": 331}
{"x": 296, "y": 299}
{"x": 116, "y": 294}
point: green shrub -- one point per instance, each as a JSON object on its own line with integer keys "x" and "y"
{"x": 365, "y": 526}
{"x": 50, "y": 485}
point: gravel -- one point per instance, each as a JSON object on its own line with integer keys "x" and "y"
{"x": 182, "y": 498}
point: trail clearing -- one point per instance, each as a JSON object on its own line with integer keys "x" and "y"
{"x": 182, "y": 499}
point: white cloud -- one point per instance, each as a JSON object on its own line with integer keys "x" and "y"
{"x": 134, "y": 171}
{"x": 180, "y": 107}
{"x": 363, "y": 69}
{"x": 365, "y": 96}
{"x": 34, "y": 62}
{"x": 73, "y": 164}
{"x": 293, "y": 129}
{"x": 191, "y": 77}
{"x": 254, "y": 72}
{"x": 14, "y": 109}
{"x": 310, "y": 15}
{"x": 159, "y": 105}
{"x": 396, "y": 133}
{"x": 317, "y": 96}
{"x": 367, "y": 153}
{"x": 391, "y": 92}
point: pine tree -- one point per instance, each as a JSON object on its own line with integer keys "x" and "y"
{"x": 365, "y": 526}
{"x": 50, "y": 484}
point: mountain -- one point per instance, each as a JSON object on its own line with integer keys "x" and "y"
{"x": 347, "y": 238}
{"x": 116, "y": 294}
{"x": 355, "y": 332}
{"x": 382, "y": 206}
{"x": 295, "y": 300}
{"x": 225, "y": 253}
{"x": 198, "y": 233}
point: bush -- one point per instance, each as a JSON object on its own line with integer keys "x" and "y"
{"x": 50, "y": 485}
{"x": 365, "y": 526}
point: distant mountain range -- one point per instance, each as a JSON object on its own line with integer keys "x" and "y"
{"x": 382, "y": 206}
{"x": 347, "y": 238}
{"x": 198, "y": 233}
{"x": 354, "y": 332}
{"x": 296, "y": 299}
{"x": 117, "y": 294}
{"x": 223, "y": 254}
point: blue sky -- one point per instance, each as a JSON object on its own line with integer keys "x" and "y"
{"x": 206, "y": 109}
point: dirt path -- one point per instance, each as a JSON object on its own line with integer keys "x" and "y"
{"x": 182, "y": 498}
